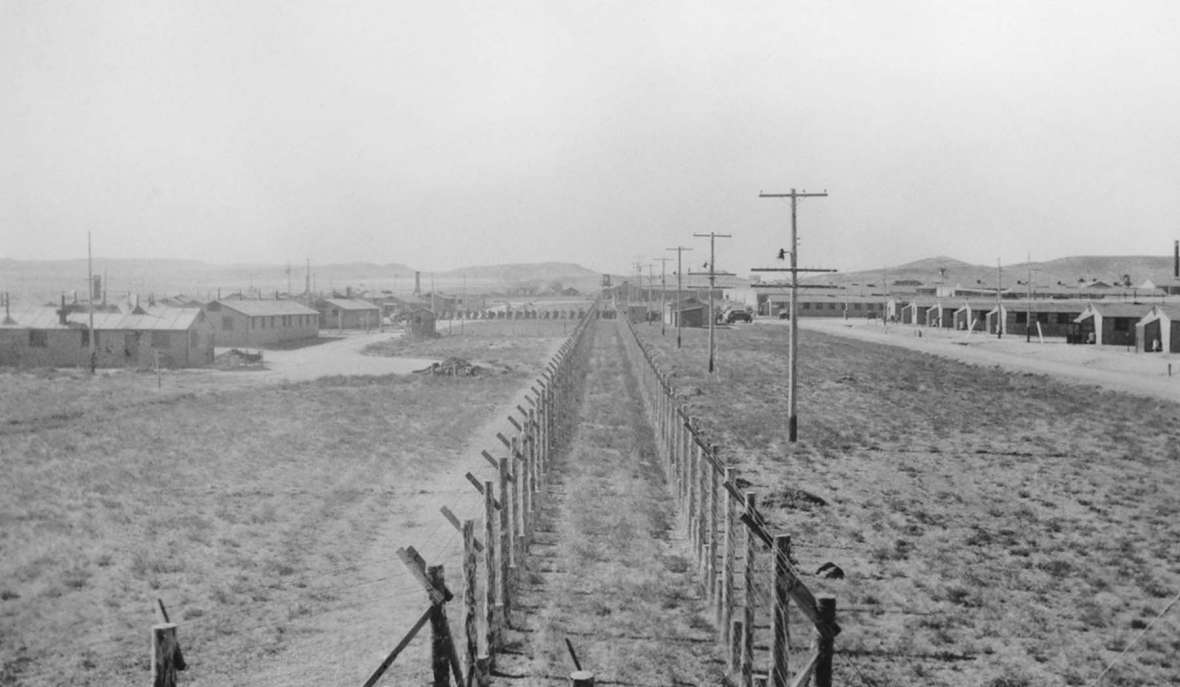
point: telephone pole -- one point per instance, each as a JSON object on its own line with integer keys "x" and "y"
{"x": 999, "y": 311}
{"x": 793, "y": 334}
{"x": 651, "y": 284}
{"x": 713, "y": 274}
{"x": 663, "y": 289}
{"x": 679, "y": 286}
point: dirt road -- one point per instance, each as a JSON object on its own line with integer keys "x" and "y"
{"x": 607, "y": 570}
{"x": 1112, "y": 367}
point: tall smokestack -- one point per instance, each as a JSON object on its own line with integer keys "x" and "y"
{"x": 61, "y": 314}
{"x": 1176, "y": 259}
{"x": 417, "y": 283}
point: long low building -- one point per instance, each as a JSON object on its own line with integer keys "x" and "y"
{"x": 259, "y": 323}
{"x": 827, "y": 305}
{"x": 49, "y": 337}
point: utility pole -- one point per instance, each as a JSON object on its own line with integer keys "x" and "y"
{"x": 679, "y": 286}
{"x": 651, "y": 284}
{"x": 663, "y": 289}
{"x": 999, "y": 311}
{"x": 793, "y": 335}
{"x": 713, "y": 273}
{"x": 1028, "y": 305}
{"x": 90, "y": 300}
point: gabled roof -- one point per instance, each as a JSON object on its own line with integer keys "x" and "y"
{"x": 157, "y": 319}
{"x": 1170, "y": 311}
{"x": 266, "y": 307}
{"x": 1136, "y": 310}
{"x": 349, "y": 304}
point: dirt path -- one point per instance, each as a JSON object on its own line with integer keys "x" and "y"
{"x": 1112, "y": 367}
{"x": 606, "y": 570}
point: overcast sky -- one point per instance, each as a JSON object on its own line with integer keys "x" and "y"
{"x": 443, "y": 134}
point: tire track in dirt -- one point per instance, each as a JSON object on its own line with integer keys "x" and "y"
{"x": 605, "y": 569}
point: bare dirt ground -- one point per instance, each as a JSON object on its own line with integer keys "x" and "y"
{"x": 608, "y": 570}
{"x": 1112, "y": 367}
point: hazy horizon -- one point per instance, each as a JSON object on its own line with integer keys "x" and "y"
{"x": 453, "y": 134}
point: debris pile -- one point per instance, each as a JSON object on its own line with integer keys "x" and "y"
{"x": 236, "y": 357}
{"x": 452, "y": 367}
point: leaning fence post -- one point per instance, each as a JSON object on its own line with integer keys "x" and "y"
{"x": 164, "y": 655}
{"x": 780, "y": 633}
{"x": 440, "y": 634}
{"x": 825, "y": 644}
{"x": 748, "y": 621}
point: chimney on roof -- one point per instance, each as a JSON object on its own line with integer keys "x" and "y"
{"x": 348, "y": 292}
{"x": 61, "y": 314}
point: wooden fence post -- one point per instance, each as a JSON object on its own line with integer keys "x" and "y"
{"x": 507, "y": 552}
{"x": 440, "y": 634}
{"x": 780, "y": 599}
{"x": 470, "y": 607}
{"x": 714, "y": 496}
{"x": 736, "y": 635}
{"x": 727, "y": 567}
{"x": 492, "y": 610}
{"x": 518, "y": 514}
{"x": 691, "y": 478}
{"x": 581, "y": 678}
{"x": 824, "y": 646}
{"x": 748, "y": 620}
{"x": 164, "y": 655}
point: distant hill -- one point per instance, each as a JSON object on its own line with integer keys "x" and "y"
{"x": 538, "y": 273}
{"x": 34, "y": 281}
{"x": 1069, "y": 271}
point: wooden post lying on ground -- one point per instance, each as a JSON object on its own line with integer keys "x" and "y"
{"x": 780, "y": 633}
{"x": 581, "y": 678}
{"x": 164, "y": 655}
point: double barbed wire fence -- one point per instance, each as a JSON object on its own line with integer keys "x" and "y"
{"x": 712, "y": 504}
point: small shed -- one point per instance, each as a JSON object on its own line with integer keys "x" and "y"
{"x": 420, "y": 323}
{"x": 689, "y": 312}
{"x": 1159, "y": 330}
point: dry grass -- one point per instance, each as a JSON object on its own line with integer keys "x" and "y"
{"x": 244, "y": 510}
{"x": 607, "y": 572}
{"x": 996, "y": 528}
{"x": 517, "y": 345}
